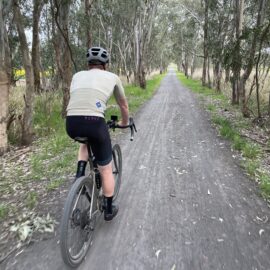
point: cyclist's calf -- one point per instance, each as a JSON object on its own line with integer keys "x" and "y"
{"x": 107, "y": 179}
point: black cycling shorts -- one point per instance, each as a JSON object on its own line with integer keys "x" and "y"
{"x": 96, "y": 130}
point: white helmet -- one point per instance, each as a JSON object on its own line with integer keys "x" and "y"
{"x": 97, "y": 55}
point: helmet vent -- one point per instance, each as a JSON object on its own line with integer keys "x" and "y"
{"x": 97, "y": 54}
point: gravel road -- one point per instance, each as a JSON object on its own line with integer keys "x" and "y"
{"x": 184, "y": 202}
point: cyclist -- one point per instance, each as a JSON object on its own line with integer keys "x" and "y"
{"x": 89, "y": 93}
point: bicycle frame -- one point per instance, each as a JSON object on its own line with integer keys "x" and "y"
{"x": 96, "y": 193}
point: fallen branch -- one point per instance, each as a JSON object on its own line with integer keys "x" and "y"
{"x": 259, "y": 142}
{"x": 23, "y": 151}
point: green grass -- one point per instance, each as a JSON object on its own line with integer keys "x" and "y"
{"x": 4, "y": 210}
{"x": 251, "y": 167}
{"x": 238, "y": 142}
{"x": 225, "y": 127}
{"x": 55, "y": 184}
{"x": 265, "y": 185}
{"x": 47, "y": 109}
{"x": 211, "y": 107}
{"x": 251, "y": 151}
{"x": 231, "y": 131}
{"x": 31, "y": 199}
{"x": 196, "y": 86}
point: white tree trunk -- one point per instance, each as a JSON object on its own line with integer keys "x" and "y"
{"x": 27, "y": 128}
{"x": 4, "y": 77}
{"x": 4, "y": 92}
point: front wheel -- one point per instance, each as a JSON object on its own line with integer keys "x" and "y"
{"x": 117, "y": 169}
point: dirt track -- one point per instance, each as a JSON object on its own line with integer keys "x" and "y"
{"x": 184, "y": 203}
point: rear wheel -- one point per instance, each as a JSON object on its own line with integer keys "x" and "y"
{"x": 117, "y": 169}
{"x": 76, "y": 229}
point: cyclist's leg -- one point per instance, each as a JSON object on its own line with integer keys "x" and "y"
{"x": 75, "y": 127}
{"x": 102, "y": 149}
{"x": 83, "y": 152}
{"x": 107, "y": 179}
{"x": 82, "y": 160}
{"x": 110, "y": 210}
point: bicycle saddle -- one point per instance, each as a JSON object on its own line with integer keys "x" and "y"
{"x": 81, "y": 139}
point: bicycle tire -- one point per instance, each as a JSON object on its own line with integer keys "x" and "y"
{"x": 117, "y": 169}
{"x": 74, "y": 261}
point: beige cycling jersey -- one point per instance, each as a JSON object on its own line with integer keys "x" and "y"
{"x": 90, "y": 91}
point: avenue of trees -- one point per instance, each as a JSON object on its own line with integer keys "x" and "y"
{"x": 229, "y": 38}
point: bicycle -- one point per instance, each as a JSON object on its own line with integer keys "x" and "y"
{"x": 84, "y": 203}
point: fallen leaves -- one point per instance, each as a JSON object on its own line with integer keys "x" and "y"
{"x": 157, "y": 253}
{"x": 180, "y": 172}
{"x": 31, "y": 223}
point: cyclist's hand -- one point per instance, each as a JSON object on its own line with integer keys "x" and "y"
{"x": 122, "y": 124}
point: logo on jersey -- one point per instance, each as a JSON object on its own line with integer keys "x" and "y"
{"x": 98, "y": 104}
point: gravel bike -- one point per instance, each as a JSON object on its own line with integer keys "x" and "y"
{"x": 84, "y": 203}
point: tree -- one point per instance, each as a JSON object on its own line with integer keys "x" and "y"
{"x": 64, "y": 52}
{"x": 4, "y": 75}
{"x": 251, "y": 59}
{"x": 143, "y": 32}
{"x": 38, "y": 4}
{"x": 88, "y": 5}
{"x": 27, "y": 128}
{"x": 236, "y": 54}
{"x": 205, "y": 43}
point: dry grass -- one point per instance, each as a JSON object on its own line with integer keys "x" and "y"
{"x": 226, "y": 87}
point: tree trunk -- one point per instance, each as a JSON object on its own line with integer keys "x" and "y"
{"x": 209, "y": 84}
{"x": 186, "y": 65}
{"x": 4, "y": 77}
{"x": 27, "y": 129}
{"x": 205, "y": 42}
{"x": 88, "y": 5}
{"x": 38, "y": 4}
{"x": 227, "y": 74}
{"x": 67, "y": 68}
{"x": 237, "y": 61}
{"x": 56, "y": 39}
{"x": 143, "y": 32}
{"x": 4, "y": 90}
{"x": 193, "y": 65}
{"x": 217, "y": 76}
{"x": 64, "y": 58}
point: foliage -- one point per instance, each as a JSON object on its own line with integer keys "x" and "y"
{"x": 3, "y": 210}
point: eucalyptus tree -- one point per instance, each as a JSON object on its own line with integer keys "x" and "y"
{"x": 63, "y": 51}
{"x": 4, "y": 74}
{"x": 38, "y": 5}
{"x": 27, "y": 128}
{"x": 87, "y": 10}
{"x": 258, "y": 32}
{"x": 220, "y": 32}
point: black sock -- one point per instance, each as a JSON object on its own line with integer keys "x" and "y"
{"x": 81, "y": 168}
{"x": 108, "y": 204}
